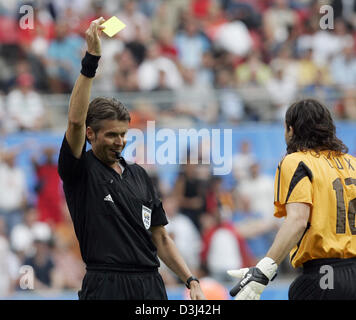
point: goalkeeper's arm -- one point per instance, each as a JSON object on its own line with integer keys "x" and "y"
{"x": 253, "y": 280}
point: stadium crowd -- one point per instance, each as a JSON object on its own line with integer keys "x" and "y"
{"x": 247, "y": 50}
{"x": 222, "y": 61}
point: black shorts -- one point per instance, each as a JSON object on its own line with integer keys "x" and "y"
{"x": 325, "y": 279}
{"x": 113, "y": 285}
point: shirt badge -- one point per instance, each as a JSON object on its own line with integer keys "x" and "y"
{"x": 146, "y": 217}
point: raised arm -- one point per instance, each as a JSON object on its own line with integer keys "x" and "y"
{"x": 79, "y": 100}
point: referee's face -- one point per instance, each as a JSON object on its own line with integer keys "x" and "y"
{"x": 110, "y": 139}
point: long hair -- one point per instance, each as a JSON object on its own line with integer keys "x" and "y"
{"x": 313, "y": 128}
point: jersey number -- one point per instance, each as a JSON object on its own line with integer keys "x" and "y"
{"x": 341, "y": 210}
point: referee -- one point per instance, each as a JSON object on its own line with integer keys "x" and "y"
{"x": 117, "y": 216}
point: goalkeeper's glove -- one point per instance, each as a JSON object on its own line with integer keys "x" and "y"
{"x": 253, "y": 280}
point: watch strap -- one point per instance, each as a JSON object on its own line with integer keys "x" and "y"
{"x": 189, "y": 280}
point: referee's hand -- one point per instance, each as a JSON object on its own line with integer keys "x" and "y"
{"x": 196, "y": 293}
{"x": 253, "y": 280}
{"x": 92, "y": 36}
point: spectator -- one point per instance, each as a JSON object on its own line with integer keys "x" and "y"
{"x": 23, "y": 234}
{"x": 9, "y": 264}
{"x": 166, "y": 44}
{"x": 223, "y": 248}
{"x": 184, "y": 233}
{"x": 190, "y": 193}
{"x": 251, "y": 77}
{"x": 162, "y": 20}
{"x": 2, "y": 115}
{"x": 348, "y": 104}
{"x": 216, "y": 18}
{"x": 258, "y": 191}
{"x": 226, "y": 35}
{"x": 321, "y": 90}
{"x": 36, "y": 38}
{"x": 253, "y": 72}
{"x": 42, "y": 260}
{"x": 345, "y": 10}
{"x": 218, "y": 199}
{"x": 148, "y": 7}
{"x": 137, "y": 24}
{"x": 343, "y": 69}
{"x": 231, "y": 105}
{"x": 282, "y": 90}
{"x": 142, "y": 112}
{"x": 25, "y": 106}
{"x": 68, "y": 270}
{"x": 246, "y": 11}
{"x": 64, "y": 234}
{"x": 168, "y": 15}
{"x": 78, "y": 6}
{"x": 205, "y": 74}
{"x": 202, "y": 152}
{"x": 326, "y": 44}
{"x": 126, "y": 77}
{"x": 191, "y": 44}
{"x": 200, "y": 8}
{"x": 64, "y": 56}
{"x": 308, "y": 71}
{"x": 195, "y": 100}
{"x": 277, "y": 22}
{"x": 48, "y": 189}
{"x": 41, "y": 41}
{"x": 242, "y": 161}
{"x": 212, "y": 197}
{"x": 7, "y": 72}
{"x": 286, "y": 61}
{"x": 154, "y": 67}
{"x": 13, "y": 190}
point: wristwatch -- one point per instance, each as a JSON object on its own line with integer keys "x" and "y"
{"x": 189, "y": 280}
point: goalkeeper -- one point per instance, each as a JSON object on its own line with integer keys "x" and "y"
{"x": 315, "y": 190}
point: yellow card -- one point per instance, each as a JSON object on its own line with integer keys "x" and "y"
{"x": 113, "y": 26}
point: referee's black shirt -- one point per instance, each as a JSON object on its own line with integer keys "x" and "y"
{"x": 109, "y": 210}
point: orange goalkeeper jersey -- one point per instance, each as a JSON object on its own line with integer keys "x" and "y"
{"x": 328, "y": 184}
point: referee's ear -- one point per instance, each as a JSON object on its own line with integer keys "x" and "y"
{"x": 90, "y": 134}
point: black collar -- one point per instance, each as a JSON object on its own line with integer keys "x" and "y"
{"x": 123, "y": 162}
